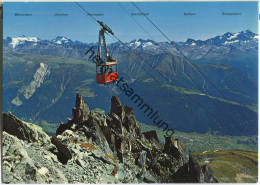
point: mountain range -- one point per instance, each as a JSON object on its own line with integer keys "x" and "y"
{"x": 215, "y": 90}
{"x": 241, "y": 46}
{"x": 242, "y": 38}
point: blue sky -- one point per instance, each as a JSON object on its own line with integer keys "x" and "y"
{"x": 169, "y": 16}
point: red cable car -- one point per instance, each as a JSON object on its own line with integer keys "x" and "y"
{"x": 106, "y": 71}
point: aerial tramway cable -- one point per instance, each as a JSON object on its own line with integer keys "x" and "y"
{"x": 176, "y": 46}
{"x": 171, "y": 42}
{"x": 88, "y": 14}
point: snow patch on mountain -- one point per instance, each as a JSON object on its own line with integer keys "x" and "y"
{"x": 231, "y": 42}
{"x": 61, "y": 40}
{"x": 16, "y": 101}
{"x": 135, "y": 44}
{"x": 147, "y": 44}
{"x": 142, "y": 44}
{"x": 21, "y": 40}
{"x": 233, "y": 36}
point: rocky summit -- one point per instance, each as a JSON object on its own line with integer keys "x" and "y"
{"x": 95, "y": 148}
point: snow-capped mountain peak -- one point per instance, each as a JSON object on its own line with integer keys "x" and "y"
{"x": 147, "y": 44}
{"x": 61, "y": 40}
{"x": 15, "y": 41}
{"x": 191, "y": 42}
{"x": 135, "y": 43}
{"x": 243, "y": 36}
{"x": 233, "y": 36}
{"x": 142, "y": 43}
{"x": 227, "y": 38}
{"x": 244, "y": 40}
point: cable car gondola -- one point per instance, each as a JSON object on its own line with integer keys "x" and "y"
{"x": 106, "y": 71}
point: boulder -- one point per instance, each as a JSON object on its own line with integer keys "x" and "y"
{"x": 208, "y": 174}
{"x": 194, "y": 170}
{"x": 173, "y": 147}
{"x": 62, "y": 127}
{"x": 63, "y": 152}
{"x": 151, "y": 136}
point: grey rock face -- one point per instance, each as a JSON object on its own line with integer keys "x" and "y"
{"x": 25, "y": 162}
{"x": 27, "y": 91}
{"x": 81, "y": 110}
{"x": 208, "y": 174}
{"x": 142, "y": 159}
{"x": 23, "y": 130}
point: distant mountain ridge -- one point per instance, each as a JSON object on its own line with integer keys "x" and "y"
{"x": 230, "y": 48}
{"x": 225, "y": 39}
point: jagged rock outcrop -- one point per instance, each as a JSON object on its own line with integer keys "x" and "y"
{"x": 192, "y": 172}
{"x": 96, "y": 148}
{"x": 22, "y": 130}
{"x": 208, "y": 174}
{"x": 79, "y": 113}
{"x": 201, "y": 174}
{"x": 173, "y": 147}
{"x": 151, "y": 136}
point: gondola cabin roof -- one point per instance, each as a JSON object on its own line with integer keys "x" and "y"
{"x": 108, "y": 63}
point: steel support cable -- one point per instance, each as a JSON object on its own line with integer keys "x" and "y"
{"x": 124, "y": 9}
{"x": 157, "y": 58}
{"x": 177, "y": 48}
{"x": 166, "y": 38}
{"x": 87, "y": 13}
{"x": 131, "y": 48}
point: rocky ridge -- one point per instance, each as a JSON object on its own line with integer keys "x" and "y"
{"x": 27, "y": 91}
{"x": 95, "y": 148}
